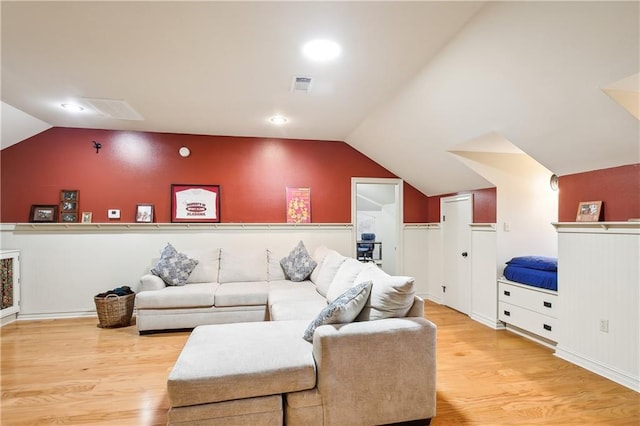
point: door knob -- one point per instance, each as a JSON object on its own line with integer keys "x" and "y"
{"x": 465, "y": 254}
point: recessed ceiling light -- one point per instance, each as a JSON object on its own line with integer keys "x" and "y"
{"x": 321, "y": 50}
{"x": 278, "y": 120}
{"x": 72, "y": 107}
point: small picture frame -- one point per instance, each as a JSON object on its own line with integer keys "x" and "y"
{"x": 589, "y": 211}
{"x": 69, "y": 206}
{"x": 69, "y": 217}
{"x": 144, "y": 213}
{"x": 86, "y": 217}
{"x": 43, "y": 213}
{"x": 69, "y": 195}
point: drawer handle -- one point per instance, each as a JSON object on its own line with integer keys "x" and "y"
{"x": 547, "y": 304}
{"x": 507, "y": 313}
{"x": 546, "y": 327}
{"x": 507, "y": 293}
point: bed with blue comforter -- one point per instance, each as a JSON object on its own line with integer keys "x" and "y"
{"x": 536, "y": 271}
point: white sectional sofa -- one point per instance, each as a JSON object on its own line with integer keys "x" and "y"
{"x": 349, "y": 345}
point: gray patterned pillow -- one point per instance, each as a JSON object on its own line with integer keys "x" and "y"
{"x": 298, "y": 265}
{"x": 344, "y": 309}
{"x": 173, "y": 267}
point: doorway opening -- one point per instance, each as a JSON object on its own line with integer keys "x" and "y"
{"x": 377, "y": 208}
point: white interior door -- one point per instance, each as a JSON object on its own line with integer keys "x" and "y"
{"x": 456, "y": 215}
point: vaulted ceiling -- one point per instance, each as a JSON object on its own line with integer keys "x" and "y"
{"x": 415, "y": 81}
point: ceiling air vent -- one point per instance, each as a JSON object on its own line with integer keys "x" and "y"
{"x": 114, "y": 108}
{"x": 301, "y": 84}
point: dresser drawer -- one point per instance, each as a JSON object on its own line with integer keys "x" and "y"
{"x": 529, "y": 298}
{"x": 533, "y": 322}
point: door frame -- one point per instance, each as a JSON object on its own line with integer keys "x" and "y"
{"x": 398, "y": 183}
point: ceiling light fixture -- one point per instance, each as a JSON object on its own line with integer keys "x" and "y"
{"x": 72, "y": 107}
{"x": 321, "y": 50}
{"x": 278, "y": 120}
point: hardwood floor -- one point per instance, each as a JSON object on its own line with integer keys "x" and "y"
{"x": 71, "y": 372}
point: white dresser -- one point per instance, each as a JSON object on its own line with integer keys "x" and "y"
{"x": 534, "y": 311}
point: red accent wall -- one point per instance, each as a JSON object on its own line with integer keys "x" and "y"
{"x": 484, "y": 205}
{"x": 139, "y": 167}
{"x": 618, "y": 188}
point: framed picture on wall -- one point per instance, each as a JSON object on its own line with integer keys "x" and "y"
{"x": 69, "y": 217}
{"x": 195, "y": 203}
{"x": 43, "y": 213}
{"x": 69, "y": 199}
{"x": 144, "y": 213}
{"x": 298, "y": 205}
{"x": 589, "y": 211}
{"x": 86, "y": 217}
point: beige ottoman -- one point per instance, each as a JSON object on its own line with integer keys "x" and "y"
{"x": 235, "y": 374}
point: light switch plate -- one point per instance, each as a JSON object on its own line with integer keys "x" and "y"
{"x": 113, "y": 214}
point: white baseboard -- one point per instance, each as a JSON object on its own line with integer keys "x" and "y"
{"x": 57, "y": 315}
{"x": 8, "y": 319}
{"x": 612, "y": 374}
{"x": 489, "y": 322}
{"x": 434, "y": 299}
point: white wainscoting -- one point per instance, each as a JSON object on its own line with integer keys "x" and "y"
{"x": 484, "y": 285}
{"x": 422, "y": 258}
{"x": 599, "y": 280}
{"x": 415, "y": 253}
{"x": 65, "y": 265}
{"x": 434, "y": 263}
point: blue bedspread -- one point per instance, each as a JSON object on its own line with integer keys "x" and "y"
{"x": 532, "y": 277}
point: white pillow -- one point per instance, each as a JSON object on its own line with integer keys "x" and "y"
{"x": 391, "y": 296}
{"x": 243, "y": 265}
{"x": 208, "y": 265}
{"x": 342, "y": 310}
{"x": 330, "y": 265}
{"x": 345, "y": 278}
{"x": 318, "y": 255}
{"x": 276, "y": 273}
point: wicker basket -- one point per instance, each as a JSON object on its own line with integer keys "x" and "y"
{"x": 114, "y": 310}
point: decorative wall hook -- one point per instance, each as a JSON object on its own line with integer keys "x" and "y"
{"x": 97, "y": 146}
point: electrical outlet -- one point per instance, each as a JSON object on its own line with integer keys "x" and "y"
{"x": 113, "y": 214}
{"x": 604, "y": 325}
{"x": 507, "y": 227}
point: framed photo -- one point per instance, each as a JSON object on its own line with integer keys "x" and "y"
{"x": 69, "y": 195}
{"x": 195, "y": 203}
{"x": 589, "y": 211}
{"x": 69, "y": 217}
{"x": 69, "y": 199}
{"x": 43, "y": 213}
{"x": 298, "y": 205}
{"x": 69, "y": 206}
{"x": 144, "y": 213}
{"x": 86, "y": 217}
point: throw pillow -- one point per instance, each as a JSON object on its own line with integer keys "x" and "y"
{"x": 344, "y": 278}
{"x": 391, "y": 296}
{"x": 344, "y": 309}
{"x": 298, "y": 265}
{"x": 330, "y": 266}
{"x": 173, "y": 267}
{"x": 318, "y": 255}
